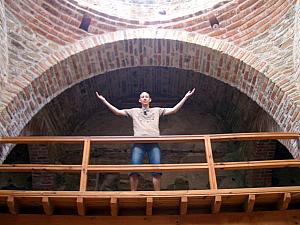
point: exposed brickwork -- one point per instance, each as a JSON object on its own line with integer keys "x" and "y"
{"x": 251, "y": 50}
{"x": 3, "y": 69}
{"x": 40, "y": 154}
{"x": 3, "y": 45}
{"x": 27, "y": 48}
{"x": 153, "y": 10}
{"x": 201, "y": 54}
{"x": 296, "y": 48}
{"x": 215, "y": 108}
{"x": 262, "y": 150}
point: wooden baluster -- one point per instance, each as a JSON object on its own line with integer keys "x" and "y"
{"x": 284, "y": 202}
{"x": 249, "y": 204}
{"x": 13, "y": 205}
{"x": 81, "y": 209}
{"x": 149, "y": 206}
{"x": 47, "y": 206}
{"x": 85, "y": 162}
{"x": 216, "y": 205}
{"x": 114, "y": 206}
{"x": 210, "y": 162}
{"x": 183, "y": 205}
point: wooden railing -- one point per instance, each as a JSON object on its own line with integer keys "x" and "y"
{"x": 287, "y": 193}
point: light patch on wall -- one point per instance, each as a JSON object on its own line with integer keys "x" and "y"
{"x": 150, "y": 10}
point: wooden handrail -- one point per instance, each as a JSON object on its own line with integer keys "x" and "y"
{"x": 210, "y": 166}
{"x": 39, "y": 168}
{"x": 160, "y": 139}
{"x": 143, "y": 194}
{"x": 264, "y": 164}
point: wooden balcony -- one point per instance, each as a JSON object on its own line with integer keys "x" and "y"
{"x": 160, "y": 204}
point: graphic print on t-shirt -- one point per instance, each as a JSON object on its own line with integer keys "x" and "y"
{"x": 146, "y": 116}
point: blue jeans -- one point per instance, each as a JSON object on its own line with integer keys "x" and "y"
{"x": 138, "y": 152}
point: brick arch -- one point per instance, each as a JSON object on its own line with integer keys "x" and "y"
{"x": 156, "y": 47}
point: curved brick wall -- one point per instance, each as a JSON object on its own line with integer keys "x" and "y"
{"x": 104, "y": 53}
{"x": 3, "y": 44}
{"x": 297, "y": 42}
{"x": 265, "y": 28}
{"x": 150, "y": 10}
{"x": 252, "y": 50}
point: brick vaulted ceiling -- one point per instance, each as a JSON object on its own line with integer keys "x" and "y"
{"x": 248, "y": 44}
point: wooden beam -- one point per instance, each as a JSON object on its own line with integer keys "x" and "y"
{"x": 254, "y": 136}
{"x": 114, "y": 206}
{"x": 216, "y": 205}
{"x": 148, "y": 167}
{"x": 43, "y": 139}
{"x": 85, "y": 162}
{"x": 47, "y": 206}
{"x": 284, "y": 201}
{"x": 160, "y": 139}
{"x": 13, "y": 205}
{"x": 149, "y": 206}
{"x": 210, "y": 162}
{"x": 263, "y": 164}
{"x": 102, "y": 168}
{"x": 81, "y": 208}
{"x": 143, "y": 194}
{"x": 249, "y": 203}
{"x": 39, "y": 168}
{"x": 183, "y": 205}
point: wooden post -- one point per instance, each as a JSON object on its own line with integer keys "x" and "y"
{"x": 210, "y": 162}
{"x": 85, "y": 162}
{"x": 249, "y": 203}
{"x": 183, "y": 205}
{"x": 114, "y": 207}
{"x": 149, "y": 206}
{"x": 216, "y": 206}
{"x": 284, "y": 202}
{"x": 81, "y": 209}
{"x": 13, "y": 205}
{"x": 47, "y": 206}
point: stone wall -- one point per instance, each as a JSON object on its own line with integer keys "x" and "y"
{"x": 3, "y": 45}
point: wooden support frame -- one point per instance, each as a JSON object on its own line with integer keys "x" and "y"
{"x": 149, "y": 206}
{"x": 284, "y": 201}
{"x": 210, "y": 162}
{"x": 114, "y": 206}
{"x": 81, "y": 208}
{"x": 85, "y": 162}
{"x": 216, "y": 205}
{"x": 13, "y": 205}
{"x": 183, "y": 205}
{"x": 249, "y": 203}
{"x": 47, "y": 206}
{"x": 262, "y": 164}
{"x": 186, "y": 198}
{"x": 160, "y": 139}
